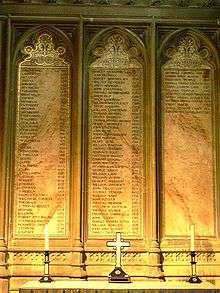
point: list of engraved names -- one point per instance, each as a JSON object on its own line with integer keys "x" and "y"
{"x": 42, "y": 150}
{"x": 187, "y": 91}
{"x": 115, "y": 165}
{"x": 187, "y": 145}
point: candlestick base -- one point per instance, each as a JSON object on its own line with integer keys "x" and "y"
{"x": 195, "y": 280}
{"x": 46, "y": 279}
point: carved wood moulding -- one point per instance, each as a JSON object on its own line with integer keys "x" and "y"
{"x": 106, "y": 257}
{"x": 148, "y": 3}
{"x": 38, "y": 257}
{"x": 184, "y": 257}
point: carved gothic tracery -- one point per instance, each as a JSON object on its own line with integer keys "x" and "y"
{"x": 188, "y": 51}
{"x": 117, "y": 51}
{"x": 147, "y": 3}
{"x": 44, "y": 53}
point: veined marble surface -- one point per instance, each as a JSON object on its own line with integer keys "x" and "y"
{"x": 97, "y": 284}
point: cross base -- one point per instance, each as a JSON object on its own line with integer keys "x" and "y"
{"x": 118, "y": 276}
{"x": 194, "y": 279}
{"x": 46, "y": 279}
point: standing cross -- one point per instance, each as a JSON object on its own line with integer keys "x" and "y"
{"x": 118, "y": 245}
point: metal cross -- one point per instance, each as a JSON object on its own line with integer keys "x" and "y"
{"x": 118, "y": 245}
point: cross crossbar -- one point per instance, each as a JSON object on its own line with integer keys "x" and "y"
{"x": 118, "y": 245}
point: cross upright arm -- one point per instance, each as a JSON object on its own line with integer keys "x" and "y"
{"x": 118, "y": 245}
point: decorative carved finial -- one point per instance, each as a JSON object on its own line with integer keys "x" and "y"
{"x": 182, "y": 3}
{"x": 130, "y": 2}
{"x": 156, "y": 2}
{"x": 44, "y": 52}
{"x": 77, "y": 1}
{"x": 208, "y": 3}
{"x": 103, "y": 2}
{"x": 117, "y": 52}
{"x": 188, "y": 52}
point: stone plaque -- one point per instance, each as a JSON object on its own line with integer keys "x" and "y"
{"x": 115, "y": 141}
{"x": 41, "y": 187}
{"x": 188, "y": 151}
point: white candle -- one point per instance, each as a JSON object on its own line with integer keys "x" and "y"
{"x": 46, "y": 238}
{"x": 192, "y": 237}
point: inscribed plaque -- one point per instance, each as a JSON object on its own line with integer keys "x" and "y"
{"x": 115, "y": 141}
{"x": 41, "y": 188}
{"x": 188, "y": 152}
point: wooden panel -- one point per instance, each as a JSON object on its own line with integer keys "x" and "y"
{"x": 188, "y": 139}
{"x": 42, "y": 154}
{"x": 115, "y": 140}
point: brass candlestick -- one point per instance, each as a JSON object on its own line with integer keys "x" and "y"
{"x": 46, "y": 277}
{"x": 194, "y": 278}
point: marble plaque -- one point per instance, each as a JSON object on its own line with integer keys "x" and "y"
{"x": 115, "y": 141}
{"x": 188, "y": 150}
{"x": 41, "y": 176}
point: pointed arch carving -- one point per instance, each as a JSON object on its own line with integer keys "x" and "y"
{"x": 58, "y": 40}
{"x": 188, "y": 105}
{"x": 116, "y": 74}
{"x": 116, "y": 44}
{"x": 187, "y": 45}
{"x": 41, "y": 192}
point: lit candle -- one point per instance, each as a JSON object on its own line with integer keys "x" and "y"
{"x": 46, "y": 238}
{"x": 192, "y": 237}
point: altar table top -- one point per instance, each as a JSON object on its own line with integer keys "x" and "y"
{"x": 96, "y": 286}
